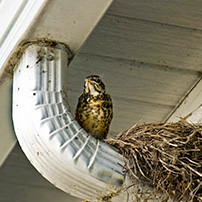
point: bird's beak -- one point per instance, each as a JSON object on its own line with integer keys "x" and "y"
{"x": 87, "y": 85}
{"x": 88, "y": 81}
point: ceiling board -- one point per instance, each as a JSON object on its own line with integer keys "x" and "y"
{"x": 148, "y": 54}
{"x": 20, "y": 182}
{"x": 145, "y": 41}
{"x": 184, "y": 13}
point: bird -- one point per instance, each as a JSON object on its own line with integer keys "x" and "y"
{"x": 94, "y": 111}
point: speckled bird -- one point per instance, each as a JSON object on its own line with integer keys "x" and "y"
{"x": 94, "y": 109}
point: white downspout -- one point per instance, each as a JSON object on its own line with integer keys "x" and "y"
{"x": 52, "y": 140}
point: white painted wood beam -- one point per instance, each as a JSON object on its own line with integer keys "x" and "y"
{"x": 15, "y": 18}
{"x": 7, "y": 137}
{"x": 67, "y": 21}
{"x": 190, "y": 106}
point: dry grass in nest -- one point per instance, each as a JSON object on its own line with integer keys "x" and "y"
{"x": 166, "y": 154}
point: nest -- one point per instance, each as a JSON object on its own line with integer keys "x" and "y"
{"x": 168, "y": 155}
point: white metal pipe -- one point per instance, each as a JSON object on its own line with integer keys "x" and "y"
{"x": 48, "y": 134}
